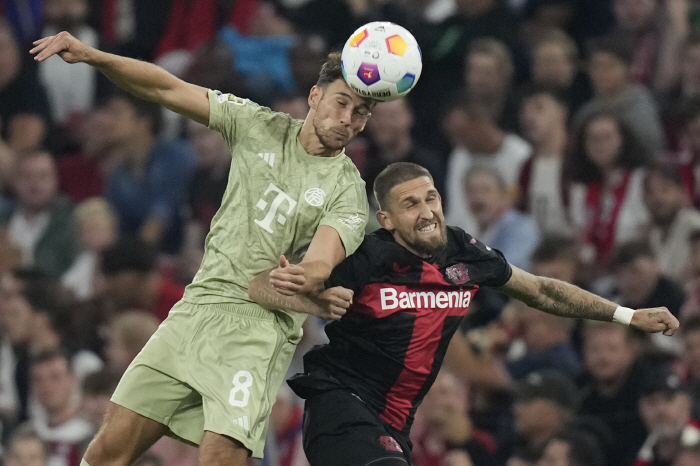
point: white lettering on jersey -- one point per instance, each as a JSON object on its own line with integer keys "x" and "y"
{"x": 268, "y": 157}
{"x": 392, "y": 299}
{"x": 275, "y": 205}
{"x": 353, "y": 222}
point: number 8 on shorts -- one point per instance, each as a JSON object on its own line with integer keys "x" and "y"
{"x": 241, "y": 383}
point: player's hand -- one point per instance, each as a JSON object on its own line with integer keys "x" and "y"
{"x": 70, "y": 49}
{"x": 334, "y": 302}
{"x": 287, "y": 278}
{"x": 657, "y": 319}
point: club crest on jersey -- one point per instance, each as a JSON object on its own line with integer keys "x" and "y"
{"x": 458, "y": 274}
{"x": 315, "y": 196}
{"x": 390, "y": 443}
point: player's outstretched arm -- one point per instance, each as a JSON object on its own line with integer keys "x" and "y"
{"x": 330, "y": 304}
{"x": 145, "y": 80}
{"x": 566, "y": 300}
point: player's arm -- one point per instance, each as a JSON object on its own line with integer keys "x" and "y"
{"x": 325, "y": 252}
{"x": 145, "y": 80}
{"x": 566, "y": 300}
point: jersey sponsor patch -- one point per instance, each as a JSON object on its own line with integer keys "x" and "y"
{"x": 231, "y": 99}
{"x": 352, "y": 223}
{"x": 392, "y": 299}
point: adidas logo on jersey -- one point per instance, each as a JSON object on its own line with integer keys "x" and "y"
{"x": 242, "y": 421}
{"x": 268, "y": 157}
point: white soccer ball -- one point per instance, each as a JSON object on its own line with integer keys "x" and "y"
{"x": 381, "y": 60}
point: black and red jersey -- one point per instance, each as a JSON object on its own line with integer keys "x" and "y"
{"x": 389, "y": 346}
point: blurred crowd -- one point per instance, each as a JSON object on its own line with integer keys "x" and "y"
{"x": 565, "y": 133}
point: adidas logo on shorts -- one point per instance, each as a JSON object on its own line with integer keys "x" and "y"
{"x": 242, "y": 421}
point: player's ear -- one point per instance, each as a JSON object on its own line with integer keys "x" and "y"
{"x": 315, "y": 96}
{"x": 384, "y": 220}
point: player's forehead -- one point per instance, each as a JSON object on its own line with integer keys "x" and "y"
{"x": 415, "y": 188}
{"x": 339, "y": 88}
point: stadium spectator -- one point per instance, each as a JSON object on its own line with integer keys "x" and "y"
{"x": 148, "y": 190}
{"x": 40, "y": 220}
{"x": 127, "y": 335}
{"x": 97, "y": 226}
{"x": 606, "y": 197}
{"x": 58, "y": 422}
{"x": 130, "y": 279}
{"x": 497, "y": 223}
{"x": 609, "y": 66}
{"x": 477, "y": 140}
{"x": 688, "y": 456}
{"x": 686, "y": 88}
{"x": 691, "y": 360}
{"x": 25, "y": 448}
{"x": 545, "y": 402}
{"x": 542, "y": 192}
{"x": 665, "y": 408}
{"x": 97, "y": 389}
{"x": 672, "y": 221}
{"x": 572, "y": 448}
{"x": 24, "y": 107}
{"x": 295, "y": 105}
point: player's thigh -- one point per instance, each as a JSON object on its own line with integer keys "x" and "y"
{"x": 123, "y": 437}
{"x": 339, "y": 429}
{"x": 217, "y": 449}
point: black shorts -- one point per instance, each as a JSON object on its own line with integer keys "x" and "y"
{"x": 340, "y": 430}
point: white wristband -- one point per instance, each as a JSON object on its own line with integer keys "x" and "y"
{"x": 623, "y": 315}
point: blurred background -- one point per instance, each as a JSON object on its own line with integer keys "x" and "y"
{"x": 565, "y": 133}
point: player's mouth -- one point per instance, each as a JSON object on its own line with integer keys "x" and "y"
{"x": 428, "y": 228}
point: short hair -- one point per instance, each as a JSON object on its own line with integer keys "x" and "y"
{"x": 134, "y": 328}
{"x": 331, "y": 70}
{"x": 556, "y": 94}
{"x": 95, "y": 206}
{"x": 616, "y": 45}
{"x": 49, "y": 355}
{"x": 559, "y": 37}
{"x": 151, "y": 111}
{"x": 128, "y": 255}
{"x": 481, "y": 169}
{"x": 629, "y": 252}
{"x": 394, "y": 175}
{"x": 100, "y": 383}
{"x": 496, "y": 49}
{"x": 25, "y": 432}
{"x": 552, "y": 248}
{"x": 584, "y": 449}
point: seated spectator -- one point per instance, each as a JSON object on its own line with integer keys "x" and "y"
{"x": 25, "y": 448}
{"x": 572, "y": 448}
{"x": 689, "y": 156}
{"x": 127, "y": 335}
{"x": 477, "y": 140}
{"x": 497, "y": 223}
{"x": 542, "y": 192}
{"x": 639, "y": 281}
{"x": 97, "y": 226}
{"x": 97, "y": 389}
{"x": 610, "y": 67}
{"x": 58, "y": 422}
{"x": 389, "y": 132}
{"x": 488, "y": 76}
{"x": 444, "y": 433}
{"x": 687, "y": 88}
{"x": 545, "y": 402}
{"x": 607, "y": 206}
{"x": 688, "y": 456}
{"x": 614, "y": 373}
{"x": 70, "y": 88}
{"x": 130, "y": 279}
{"x": 24, "y": 107}
{"x": 547, "y": 338}
{"x": 665, "y": 408}
{"x": 555, "y": 65}
{"x": 148, "y": 190}
{"x": 691, "y": 360}
{"x": 40, "y": 221}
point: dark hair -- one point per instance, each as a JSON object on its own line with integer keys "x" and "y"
{"x": 551, "y": 248}
{"x": 331, "y": 70}
{"x": 532, "y": 90}
{"x": 393, "y": 175}
{"x": 579, "y": 167}
{"x": 629, "y": 252}
{"x": 51, "y": 355}
{"x": 666, "y": 171}
{"x": 102, "y": 382}
{"x": 689, "y": 111}
{"x": 584, "y": 450}
{"x": 25, "y": 432}
{"x": 617, "y": 45}
{"x": 694, "y": 237}
{"x": 128, "y": 254}
{"x": 691, "y": 325}
{"x": 151, "y": 111}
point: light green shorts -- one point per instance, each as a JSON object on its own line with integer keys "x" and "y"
{"x": 214, "y": 367}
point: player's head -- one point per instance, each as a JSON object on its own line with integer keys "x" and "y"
{"x": 337, "y": 112}
{"x": 411, "y": 208}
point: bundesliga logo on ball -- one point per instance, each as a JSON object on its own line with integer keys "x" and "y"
{"x": 381, "y": 60}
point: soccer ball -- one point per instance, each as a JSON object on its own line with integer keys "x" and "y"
{"x": 381, "y": 60}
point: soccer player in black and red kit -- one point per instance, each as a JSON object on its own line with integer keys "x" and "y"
{"x": 406, "y": 290}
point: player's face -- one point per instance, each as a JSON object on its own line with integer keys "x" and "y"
{"x": 339, "y": 114}
{"x": 414, "y": 216}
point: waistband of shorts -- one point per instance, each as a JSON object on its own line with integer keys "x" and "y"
{"x": 253, "y": 312}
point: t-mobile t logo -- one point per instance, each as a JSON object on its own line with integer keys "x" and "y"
{"x": 275, "y": 205}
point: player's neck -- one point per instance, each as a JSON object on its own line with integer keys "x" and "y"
{"x": 312, "y": 144}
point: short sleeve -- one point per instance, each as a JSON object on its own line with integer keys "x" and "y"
{"x": 490, "y": 264}
{"x": 230, "y": 115}
{"x": 347, "y": 214}
{"x": 354, "y": 272}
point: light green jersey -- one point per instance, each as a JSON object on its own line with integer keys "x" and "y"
{"x": 277, "y": 196}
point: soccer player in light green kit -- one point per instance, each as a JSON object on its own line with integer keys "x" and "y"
{"x": 210, "y": 373}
